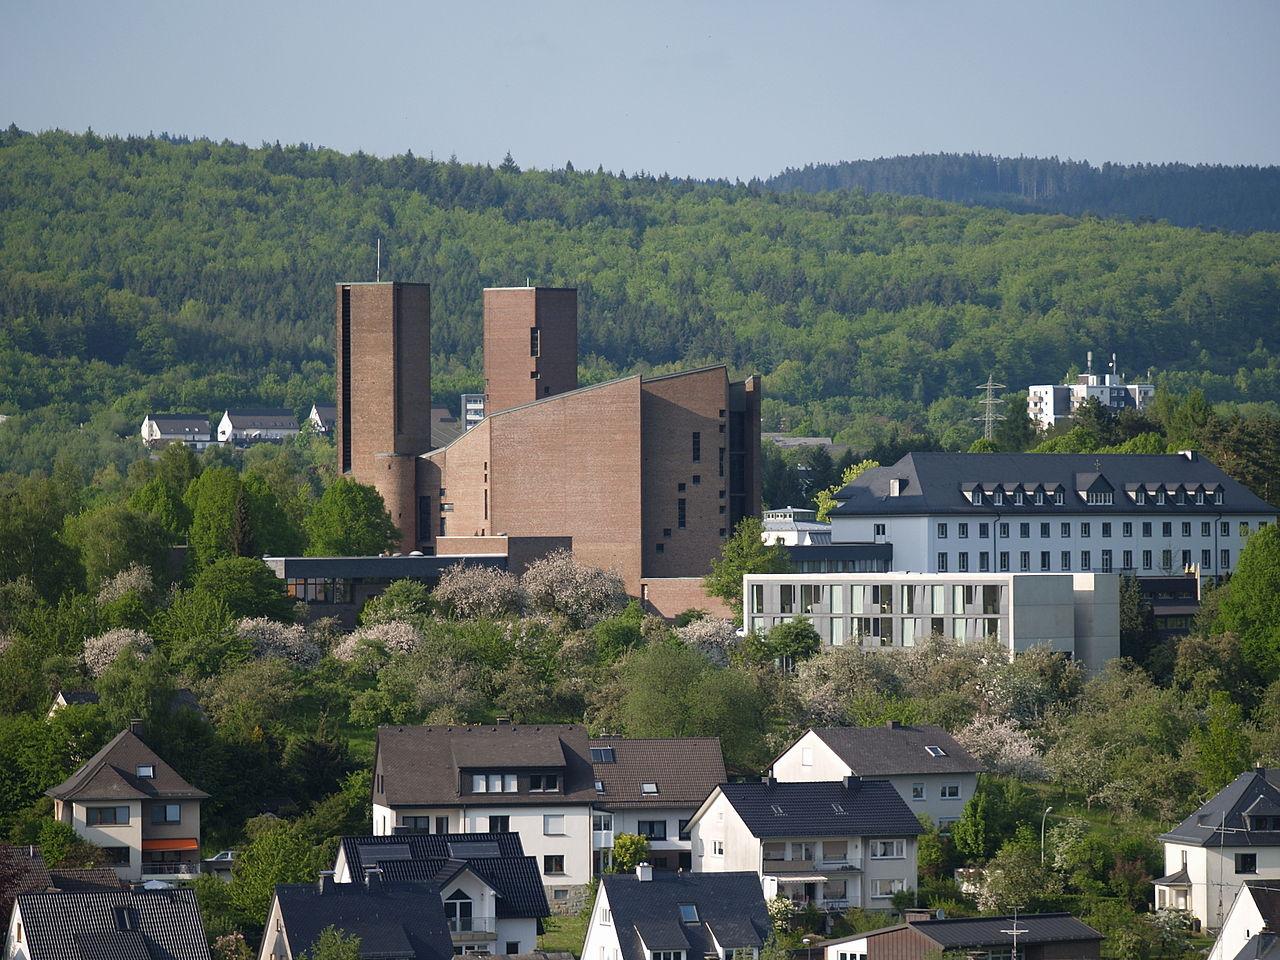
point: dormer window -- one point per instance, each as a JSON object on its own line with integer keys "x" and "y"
{"x": 998, "y": 497}
{"x": 544, "y": 783}
{"x": 1182, "y": 496}
{"x": 689, "y": 913}
{"x": 1039, "y": 498}
{"x": 1058, "y": 498}
{"x": 1017, "y": 497}
{"x": 935, "y": 751}
{"x": 1199, "y": 496}
{"x": 1217, "y": 496}
{"x": 1140, "y": 496}
{"x": 1099, "y": 497}
{"x": 1160, "y": 497}
{"x": 146, "y": 771}
{"x": 649, "y": 789}
{"x": 977, "y": 496}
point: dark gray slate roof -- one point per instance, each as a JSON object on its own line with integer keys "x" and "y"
{"x": 262, "y": 418}
{"x": 730, "y": 907}
{"x": 1226, "y": 809}
{"x": 684, "y": 770}
{"x": 32, "y": 876}
{"x": 173, "y": 423}
{"x": 962, "y": 932}
{"x": 863, "y": 808}
{"x": 111, "y": 774}
{"x": 892, "y": 750}
{"x": 936, "y": 483}
{"x": 1261, "y": 946}
{"x": 83, "y": 926}
{"x": 424, "y": 766}
{"x": 1266, "y": 896}
{"x": 404, "y": 921}
{"x": 497, "y": 858}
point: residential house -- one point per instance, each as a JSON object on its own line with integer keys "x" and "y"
{"x": 1233, "y": 838}
{"x": 1076, "y": 614}
{"x": 795, "y": 527}
{"x": 493, "y": 897}
{"x": 162, "y": 429}
{"x": 182, "y": 699}
{"x": 1145, "y": 515}
{"x": 651, "y": 915}
{"x": 404, "y": 921}
{"x": 117, "y": 924}
{"x": 31, "y": 875}
{"x": 323, "y": 417}
{"x": 651, "y": 788}
{"x": 926, "y": 765}
{"x": 1041, "y": 936}
{"x": 534, "y": 780}
{"x": 253, "y": 424}
{"x": 835, "y": 845}
{"x": 130, "y": 802}
{"x": 1251, "y": 930}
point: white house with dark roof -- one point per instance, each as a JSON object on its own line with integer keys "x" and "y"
{"x": 534, "y": 780}
{"x": 651, "y": 788}
{"x": 492, "y": 893}
{"x": 404, "y": 921}
{"x": 323, "y": 417}
{"x": 107, "y": 925}
{"x": 831, "y": 844}
{"x": 931, "y": 771}
{"x": 1147, "y": 515}
{"x": 254, "y": 424}
{"x": 1251, "y": 930}
{"x": 162, "y": 429}
{"x": 143, "y": 814}
{"x": 652, "y": 915}
{"x": 1233, "y": 838}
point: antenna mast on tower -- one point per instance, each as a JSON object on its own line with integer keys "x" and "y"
{"x": 990, "y": 404}
{"x": 378, "y": 272}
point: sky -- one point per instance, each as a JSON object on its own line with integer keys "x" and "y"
{"x": 728, "y": 89}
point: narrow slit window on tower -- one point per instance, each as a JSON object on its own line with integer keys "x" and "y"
{"x": 680, "y": 513}
{"x": 697, "y": 447}
{"x": 535, "y": 342}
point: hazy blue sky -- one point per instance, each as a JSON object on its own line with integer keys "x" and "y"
{"x": 709, "y": 89}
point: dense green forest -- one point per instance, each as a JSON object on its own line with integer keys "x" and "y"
{"x": 155, "y": 273}
{"x": 1236, "y": 198}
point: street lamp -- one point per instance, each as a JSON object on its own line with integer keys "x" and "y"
{"x": 1047, "y": 811}
{"x": 808, "y": 947}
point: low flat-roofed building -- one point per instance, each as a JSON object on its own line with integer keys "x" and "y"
{"x": 1076, "y": 614}
{"x": 1042, "y": 936}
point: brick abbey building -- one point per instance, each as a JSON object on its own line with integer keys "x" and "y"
{"x": 644, "y": 476}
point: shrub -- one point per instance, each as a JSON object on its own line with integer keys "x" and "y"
{"x": 712, "y": 637}
{"x": 282, "y": 641}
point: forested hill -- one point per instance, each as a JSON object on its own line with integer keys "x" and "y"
{"x": 145, "y": 273}
{"x": 1236, "y": 198}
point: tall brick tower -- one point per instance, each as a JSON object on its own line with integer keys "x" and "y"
{"x": 384, "y": 391}
{"x": 530, "y": 344}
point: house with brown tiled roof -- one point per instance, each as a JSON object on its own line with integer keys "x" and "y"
{"x": 138, "y": 809}
{"x": 651, "y": 788}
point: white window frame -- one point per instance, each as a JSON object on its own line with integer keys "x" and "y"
{"x": 896, "y": 885}
{"x": 897, "y": 849}
{"x": 949, "y": 791}
{"x": 553, "y": 824}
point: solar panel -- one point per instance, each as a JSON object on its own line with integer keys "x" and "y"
{"x": 471, "y": 849}
{"x": 371, "y": 853}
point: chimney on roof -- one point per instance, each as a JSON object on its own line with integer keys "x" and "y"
{"x": 896, "y": 486}
{"x": 1189, "y": 454}
{"x": 768, "y": 781}
{"x": 644, "y": 872}
{"x": 324, "y": 882}
{"x": 504, "y": 721}
{"x": 136, "y": 726}
{"x": 852, "y": 779}
{"x": 373, "y": 878}
{"x": 894, "y": 724}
